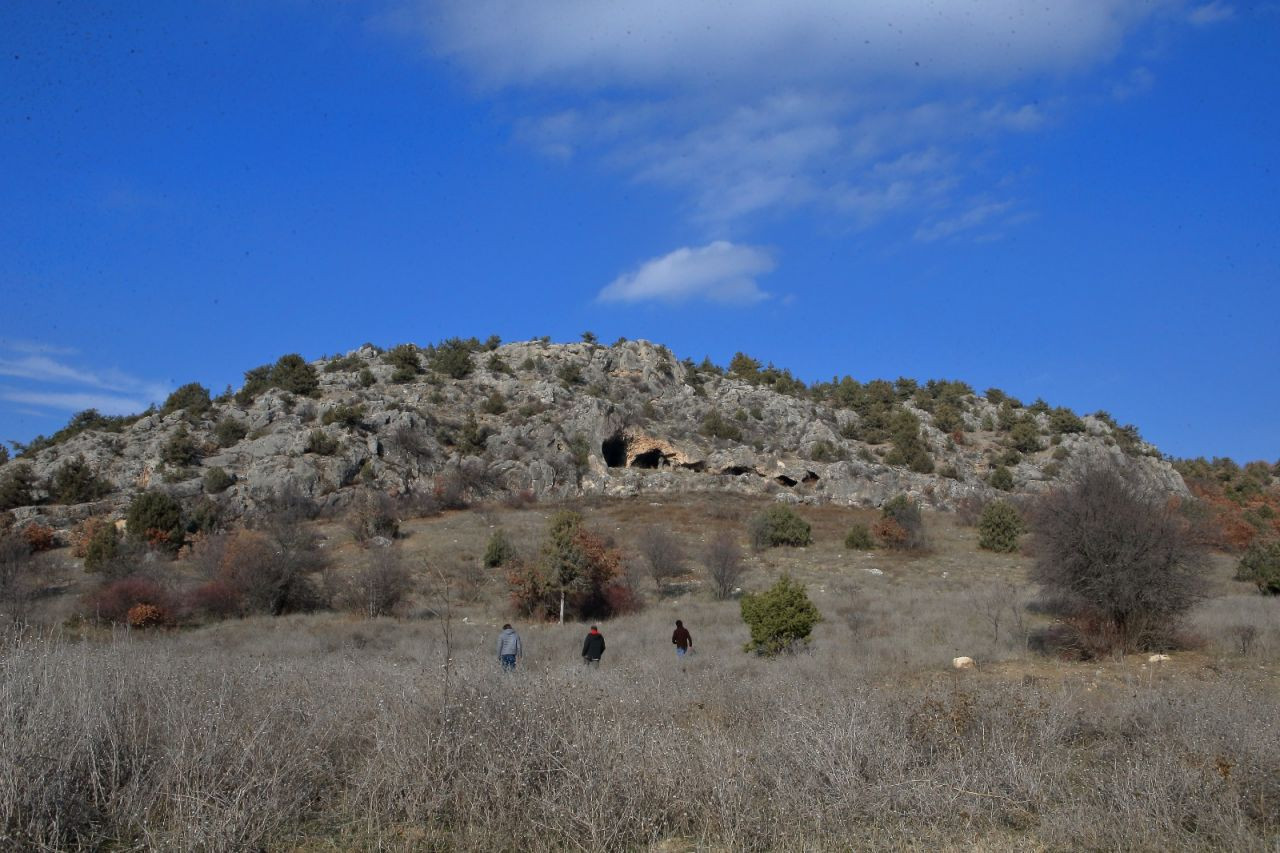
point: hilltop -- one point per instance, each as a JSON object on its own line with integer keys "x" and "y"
{"x": 534, "y": 420}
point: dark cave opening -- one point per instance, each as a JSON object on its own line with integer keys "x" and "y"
{"x": 736, "y": 470}
{"x": 784, "y": 480}
{"x": 810, "y": 478}
{"x": 649, "y": 459}
{"x": 614, "y": 451}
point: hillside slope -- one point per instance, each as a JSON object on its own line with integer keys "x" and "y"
{"x": 544, "y": 420}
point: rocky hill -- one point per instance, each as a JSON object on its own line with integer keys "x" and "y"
{"x": 535, "y": 419}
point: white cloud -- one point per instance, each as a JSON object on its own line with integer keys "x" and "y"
{"x": 107, "y": 404}
{"x": 110, "y": 391}
{"x": 1139, "y": 82}
{"x": 752, "y": 108}
{"x": 589, "y": 45}
{"x": 976, "y": 216}
{"x": 1211, "y": 13}
{"x": 720, "y": 272}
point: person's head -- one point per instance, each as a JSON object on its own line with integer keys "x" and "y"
{"x": 506, "y": 627}
{"x": 679, "y": 624}
{"x": 594, "y": 629}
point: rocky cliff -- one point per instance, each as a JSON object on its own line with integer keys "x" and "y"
{"x": 553, "y": 420}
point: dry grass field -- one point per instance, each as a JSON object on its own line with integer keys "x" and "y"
{"x": 331, "y": 732}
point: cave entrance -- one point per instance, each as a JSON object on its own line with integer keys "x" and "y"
{"x": 649, "y": 459}
{"x": 614, "y": 451}
{"x": 784, "y": 480}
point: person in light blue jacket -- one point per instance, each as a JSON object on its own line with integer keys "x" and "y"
{"x": 509, "y": 648}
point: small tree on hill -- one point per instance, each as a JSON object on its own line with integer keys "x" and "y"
{"x": 780, "y": 619}
{"x": 1260, "y": 565}
{"x": 292, "y": 373}
{"x": 192, "y": 398}
{"x": 662, "y": 554}
{"x": 499, "y": 551}
{"x": 576, "y": 573}
{"x": 156, "y": 519}
{"x": 779, "y": 525}
{"x": 1119, "y": 562}
{"x": 17, "y": 487}
{"x": 999, "y": 527}
{"x": 723, "y": 559}
{"x": 74, "y": 482}
{"x": 900, "y": 526}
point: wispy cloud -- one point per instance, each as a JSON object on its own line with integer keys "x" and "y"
{"x": 748, "y": 111}
{"x": 1211, "y": 13}
{"x": 720, "y": 272}
{"x": 977, "y": 216}
{"x": 107, "y": 404}
{"x": 39, "y": 365}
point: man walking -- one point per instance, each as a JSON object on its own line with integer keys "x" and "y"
{"x": 682, "y": 639}
{"x": 593, "y": 647}
{"x": 509, "y": 648}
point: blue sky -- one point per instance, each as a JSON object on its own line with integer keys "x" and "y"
{"x": 1078, "y": 202}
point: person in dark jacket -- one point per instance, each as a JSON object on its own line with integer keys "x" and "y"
{"x": 682, "y": 639}
{"x": 593, "y": 647}
{"x": 509, "y": 648}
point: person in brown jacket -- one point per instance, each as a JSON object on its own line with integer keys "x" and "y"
{"x": 682, "y": 639}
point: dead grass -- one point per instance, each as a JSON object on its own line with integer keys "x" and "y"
{"x": 329, "y": 732}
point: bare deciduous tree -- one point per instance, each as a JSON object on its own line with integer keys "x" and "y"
{"x": 1117, "y": 560}
{"x": 723, "y": 559}
{"x": 662, "y": 554}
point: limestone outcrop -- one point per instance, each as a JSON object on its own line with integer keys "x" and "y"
{"x": 551, "y": 420}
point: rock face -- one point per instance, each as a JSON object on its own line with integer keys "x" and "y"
{"x": 550, "y": 420}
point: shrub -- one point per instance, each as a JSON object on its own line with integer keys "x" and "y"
{"x": 181, "y": 449}
{"x": 780, "y": 619}
{"x": 499, "y": 551}
{"x": 778, "y": 525}
{"x": 452, "y": 358}
{"x": 724, "y": 564}
{"x": 39, "y": 537}
{"x": 716, "y": 425}
{"x": 404, "y": 358}
{"x": 4, "y": 454}
{"x": 999, "y": 527}
{"x": 346, "y": 415}
{"x": 321, "y": 443}
{"x": 859, "y": 538}
{"x": 113, "y": 600}
{"x": 909, "y": 448}
{"x": 17, "y": 487}
{"x": 494, "y": 404}
{"x": 1260, "y": 565}
{"x": 1025, "y": 436}
{"x": 661, "y": 552}
{"x": 102, "y": 549}
{"x": 1001, "y": 479}
{"x": 570, "y": 374}
{"x": 217, "y": 480}
{"x": 380, "y": 587}
{"x": 217, "y": 598}
{"x": 900, "y": 525}
{"x": 192, "y": 398}
{"x": 347, "y": 362}
{"x": 143, "y": 616}
{"x": 576, "y": 571}
{"x": 292, "y": 373}
{"x": 1119, "y": 563}
{"x": 74, "y": 482}
{"x": 373, "y": 514}
{"x": 229, "y": 432}
{"x": 366, "y": 377}
{"x": 155, "y": 518}
{"x": 1063, "y": 420}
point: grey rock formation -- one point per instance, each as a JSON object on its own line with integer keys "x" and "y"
{"x": 574, "y": 418}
